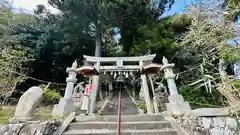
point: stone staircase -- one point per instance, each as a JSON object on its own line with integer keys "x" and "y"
{"x": 130, "y": 125}
{"x": 127, "y": 106}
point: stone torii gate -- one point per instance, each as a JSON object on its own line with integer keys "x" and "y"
{"x": 118, "y": 65}
{"x": 94, "y": 66}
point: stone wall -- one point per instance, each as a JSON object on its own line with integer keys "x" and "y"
{"x": 210, "y": 125}
{"x": 45, "y": 128}
{"x": 207, "y": 122}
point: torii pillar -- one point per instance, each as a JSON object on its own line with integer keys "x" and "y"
{"x": 96, "y": 83}
{"x": 146, "y": 91}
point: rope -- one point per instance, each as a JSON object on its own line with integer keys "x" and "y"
{"x": 64, "y": 84}
{"x": 39, "y": 80}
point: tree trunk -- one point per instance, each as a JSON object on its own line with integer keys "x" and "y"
{"x": 96, "y": 78}
{"x": 98, "y": 38}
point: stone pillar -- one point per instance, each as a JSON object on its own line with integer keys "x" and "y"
{"x": 110, "y": 87}
{"x": 146, "y": 91}
{"x": 85, "y": 104}
{"x": 86, "y": 100}
{"x": 176, "y": 104}
{"x": 101, "y": 91}
{"x": 95, "y": 81}
{"x": 141, "y": 94}
{"x": 65, "y": 105}
{"x": 155, "y": 99}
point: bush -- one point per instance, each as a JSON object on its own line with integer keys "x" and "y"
{"x": 142, "y": 106}
{"x": 50, "y": 97}
{"x": 199, "y": 98}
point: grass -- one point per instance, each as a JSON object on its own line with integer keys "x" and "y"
{"x": 45, "y": 113}
{"x": 42, "y": 113}
{"x": 6, "y": 113}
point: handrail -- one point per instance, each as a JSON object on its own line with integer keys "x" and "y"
{"x": 119, "y": 115}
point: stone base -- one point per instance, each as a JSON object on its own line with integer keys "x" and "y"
{"x": 86, "y": 104}
{"x": 177, "y": 105}
{"x": 210, "y": 112}
{"x": 64, "y": 108}
{"x": 175, "y": 98}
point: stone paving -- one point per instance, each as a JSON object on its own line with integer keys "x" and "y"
{"x": 127, "y": 106}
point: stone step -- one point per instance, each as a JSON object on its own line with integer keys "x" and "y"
{"x": 124, "y": 125}
{"x": 123, "y": 132}
{"x": 124, "y": 118}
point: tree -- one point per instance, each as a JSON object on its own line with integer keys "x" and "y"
{"x": 12, "y": 60}
{"x": 204, "y": 49}
{"x": 141, "y": 13}
{"x": 9, "y": 19}
{"x": 53, "y": 43}
{"x": 13, "y": 71}
{"x": 159, "y": 37}
{"x": 5, "y": 16}
{"x": 97, "y": 14}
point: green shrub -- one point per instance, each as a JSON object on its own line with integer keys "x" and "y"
{"x": 142, "y": 106}
{"x": 50, "y": 97}
{"x": 200, "y": 98}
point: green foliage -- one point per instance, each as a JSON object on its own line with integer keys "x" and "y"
{"x": 233, "y": 3}
{"x": 199, "y": 98}
{"x": 180, "y": 23}
{"x": 13, "y": 70}
{"x": 158, "y": 38}
{"x": 236, "y": 83}
{"x": 55, "y": 41}
{"x": 230, "y": 54}
{"x": 5, "y": 114}
{"x": 174, "y": 116}
{"x": 203, "y": 53}
{"x": 95, "y": 15}
{"x": 142, "y": 106}
{"x": 13, "y": 59}
{"x": 53, "y": 44}
{"x": 44, "y": 113}
{"x": 8, "y": 19}
{"x": 50, "y": 97}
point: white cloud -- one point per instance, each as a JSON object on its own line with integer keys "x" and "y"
{"x": 31, "y": 4}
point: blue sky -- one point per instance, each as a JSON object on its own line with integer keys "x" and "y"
{"x": 29, "y": 5}
{"x": 178, "y": 7}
